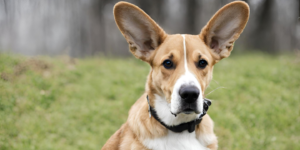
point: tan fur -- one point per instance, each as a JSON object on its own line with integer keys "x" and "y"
{"x": 154, "y": 46}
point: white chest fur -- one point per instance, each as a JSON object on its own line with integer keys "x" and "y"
{"x": 175, "y": 141}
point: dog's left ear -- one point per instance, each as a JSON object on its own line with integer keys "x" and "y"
{"x": 225, "y": 27}
{"x": 140, "y": 31}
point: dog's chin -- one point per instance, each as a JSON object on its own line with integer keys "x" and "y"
{"x": 187, "y": 111}
{"x": 185, "y": 108}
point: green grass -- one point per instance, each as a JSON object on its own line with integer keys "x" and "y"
{"x": 67, "y": 104}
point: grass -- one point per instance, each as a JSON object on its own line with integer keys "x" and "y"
{"x": 64, "y": 103}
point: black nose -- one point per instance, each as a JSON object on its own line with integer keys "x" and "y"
{"x": 189, "y": 93}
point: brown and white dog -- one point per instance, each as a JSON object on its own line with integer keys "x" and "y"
{"x": 181, "y": 69}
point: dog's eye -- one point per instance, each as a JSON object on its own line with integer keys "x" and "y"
{"x": 202, "y": 63}
{"x": 168, "y": 64}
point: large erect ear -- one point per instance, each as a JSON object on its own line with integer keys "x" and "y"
{"x": 141, "y": 32}
{"x": 225, "y": 27}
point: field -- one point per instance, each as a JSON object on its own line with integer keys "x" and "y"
{"x": 63, "y": 103}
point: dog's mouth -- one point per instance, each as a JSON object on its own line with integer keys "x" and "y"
{"x": 188, "y": 111}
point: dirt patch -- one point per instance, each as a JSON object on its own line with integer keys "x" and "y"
{"x": 38, "y": 65}
{"x": 31, "y": 64}
{"x": 20, "y": 69}
{"x": 4, "y": 76}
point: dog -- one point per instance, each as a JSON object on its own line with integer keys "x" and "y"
{"x": 170, "y": 115}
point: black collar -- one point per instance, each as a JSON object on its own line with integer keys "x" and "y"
{"x": 190, "y": 126}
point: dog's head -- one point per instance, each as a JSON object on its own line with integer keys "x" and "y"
{"x": 181, "y": 65}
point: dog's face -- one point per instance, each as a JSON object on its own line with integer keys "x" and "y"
{"x": 181, "y": 65}
{"x": 181, "y": 70}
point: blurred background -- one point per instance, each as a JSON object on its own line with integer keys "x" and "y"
{"x": 86, "y": 27}
{"x": 67, "y": 79}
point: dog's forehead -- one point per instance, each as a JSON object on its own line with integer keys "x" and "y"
{"x": 193, "y": 42}
{"x": 173, "y": 46}
{"x": 196, "y": 47}
{"x": 172, "y": 43}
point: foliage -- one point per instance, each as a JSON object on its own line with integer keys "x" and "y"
{"x": 65, "y": 103}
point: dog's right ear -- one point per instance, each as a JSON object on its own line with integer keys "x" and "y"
{"x": 140, "y": 31}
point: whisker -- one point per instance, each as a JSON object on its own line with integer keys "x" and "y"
{"x": 211, "y": 99}
{"x": 214, "y": 90}
{"x": 213, "y": 81}
{"x": 216, "y": 81}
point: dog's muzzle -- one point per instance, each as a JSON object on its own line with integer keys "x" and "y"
{"x": 189, "y": 95}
